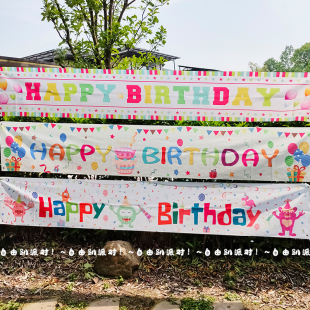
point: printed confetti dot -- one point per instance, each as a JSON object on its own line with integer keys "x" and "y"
{"x": 201, "y": 197}
{"x": 94, "y": 165}
{"x": 180, "y": 142}
{"x": 270, "y": 144}
{"x": 33, "y": 166}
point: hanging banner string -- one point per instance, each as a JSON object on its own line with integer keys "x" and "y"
{"x": 155, "y": 95}
{"x": 270, "y": 210}
{"x": 233, "y": 153}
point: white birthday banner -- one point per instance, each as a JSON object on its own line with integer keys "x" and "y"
{"x": 270, "y": 210}
{"x": 233, "y": 153}
{"x": 155, "y": 95}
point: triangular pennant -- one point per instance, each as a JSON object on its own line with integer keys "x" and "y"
{"x": 287, "y": 134}
{"x": 251, "y": 129}
{"x": 72, "y": 128}
{"x": 126, "y": 128}
{"x": 223, "y": 133}
{"x": 98, "y": 128}
{"x": 85, "y": 129}
{"x": 8, "y": 128}
{"x": 166, "y": 130}
{"x": 159, "y": 131}
{"x": 172, "y": 129}
{"x": 179, "y": 129}
{"x": 266, "y": 130}
{"x": 209, "y": 132}
{"x": 21, "y": 128}
{"x": 195, "y": 130}
{"x": 119, "y": 127}
{"x": 104, "y": 127}
{"x": 152, "y": 131}
{"x": 216, "y": 132}
{"x": 230, "y": 132}
{"x": 188, "y": 128}
{"x": 59, "y": 126}
{"x": 92, "y": 129}
{"x": 237, "y": 132}
{"x": 78, "y": 129}
{"x": 280, "y": 133}
{"x": 294, "y": 134}
{"x": 15, "y": 128}
{"x": 111, "y": 126}
{"x": 301, "y": 134}
{"x": 244, "y": 130}
{"x": 53, "y": 125}
{"x": 139, "y": 130}
{"x": 145, "y": 131}
{"x": 34, "y": 127}
{"x": 46, "y": 125}
{"x": 258, "y": 129}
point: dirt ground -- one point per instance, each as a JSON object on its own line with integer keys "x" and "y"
{"x": 259, "y": 284}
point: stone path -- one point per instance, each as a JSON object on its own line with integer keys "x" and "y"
{"x": 113, "y": 304}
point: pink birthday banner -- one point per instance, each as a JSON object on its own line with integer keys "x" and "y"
{"x": 215, "y": 153}
{"x": 269, "y": 210}
{"x": 155, "y": 95}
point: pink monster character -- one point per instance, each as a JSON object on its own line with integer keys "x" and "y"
{"x": 18, "y": 207}
{"x": 247, "y": 202}
{"x": 287, "y": 217}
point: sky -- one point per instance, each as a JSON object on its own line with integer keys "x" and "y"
{"x": 218, "y": 34}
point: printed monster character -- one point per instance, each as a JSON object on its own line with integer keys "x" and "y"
{"x": 18, "y": 207}
{"x": 126, "y": 214}
{"x": 287, "y": 217}
{"x": 65, "y": 196}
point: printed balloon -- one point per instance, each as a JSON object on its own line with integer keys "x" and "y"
{"x": 34, "y": 195}
{"x": 296, "y": 103}
{"x": 291, "y": 94}
{"x": 307, "y": 92}
{"x": 13, "y": 96}
{"x": 21, "y": 152}
{"x": 201, "y": 197}
{"x": 19, "y": 140}
{"x": 4, "y": 99}
{"x": 270, "y": 144}
{"x": 3, "y": 84}
{"x": 9, "y": 140}
{"x": 287, "y": 103}
{"x": 304, "y": 146}
{"x": 292, "y": 147}
{"x": 305, "y": 105}
{"x": 14, "y": 147}
{"x": 7, "y": 152}
{"x": 105, "y": 193}
{"x": 305, "y": 160}
{"x": 63, "y": 137}
{"x": 289, "y": 160}
{"x": 17, "y": 88}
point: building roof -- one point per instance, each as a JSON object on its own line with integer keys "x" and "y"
{"x": 187, "y": 68}
{"x": 23, "y": 62}
{"x": 50, "y": 55}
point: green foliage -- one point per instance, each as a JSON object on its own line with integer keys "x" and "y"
{"x": 95, "y": 31}
{"x": 231, "y": 296}
{"x": 203, "y": 303}
{"x": 105, "y": 286}
{"x": 290, "y": 61}
{"x": 119, "y": 281}
{"x": 88, "y": 271}
{"x": 11, "y": 305}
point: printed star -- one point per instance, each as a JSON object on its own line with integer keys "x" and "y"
{"x": 187, "y": 173}
{"x": 201, "y": 137}
{"x": 231, "y": 174}
{"x": 34, "y": 137}
{"x": 79, "y": 168}
{"x": 112, "y": 136}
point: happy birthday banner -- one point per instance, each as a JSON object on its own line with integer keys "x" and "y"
{"x": 270, "y": 210}
{"x": 155, "y": 95}
{"x": 234, "y": 153}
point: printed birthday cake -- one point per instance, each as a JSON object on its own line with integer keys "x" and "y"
{"x": 125, "y": 160}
